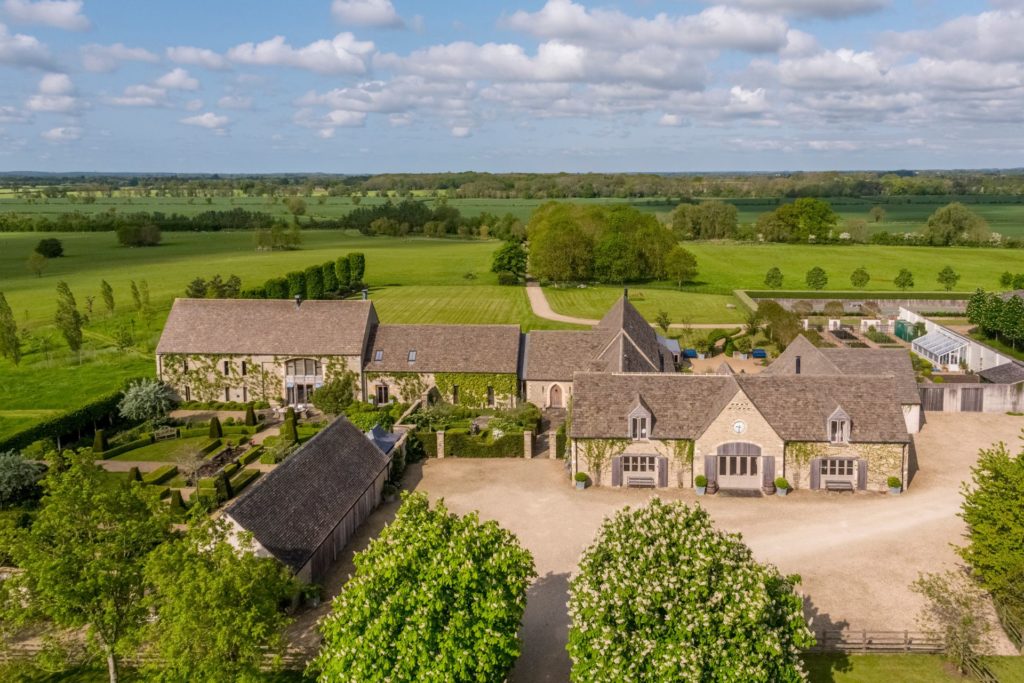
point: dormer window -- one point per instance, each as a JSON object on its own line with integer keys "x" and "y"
{"x": 638, "y": 428}
{"x": 412, "y": 356}
{"x": 640, "y": 421}
{"x": 839, "y": 427}
{"x": 378, "y": 356}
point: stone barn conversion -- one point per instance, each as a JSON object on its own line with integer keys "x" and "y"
{"x": 306, "y": 510}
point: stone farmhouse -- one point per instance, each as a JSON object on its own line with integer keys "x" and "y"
{"x": 822, "y": 418}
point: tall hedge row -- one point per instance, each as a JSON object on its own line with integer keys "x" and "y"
{"x": 86, "y": 419}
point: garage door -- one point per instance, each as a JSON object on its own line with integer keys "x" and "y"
{"x": 738, "y": 466}
{"x": 932, "y": 398}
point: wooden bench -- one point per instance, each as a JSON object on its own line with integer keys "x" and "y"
{"x": 838, "y": 485}
{"x": 165, "y": 433}
{"x": 640, "y": 482}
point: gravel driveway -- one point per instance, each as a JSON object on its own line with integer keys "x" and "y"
{"x": 857, "y": 554}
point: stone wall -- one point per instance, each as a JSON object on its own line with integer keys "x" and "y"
{"x": 539, "y": 392}
{"x": 884, "y": 461}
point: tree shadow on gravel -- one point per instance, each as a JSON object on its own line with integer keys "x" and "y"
{"x": 826, "y": 661}
{"x": 545, "y": 632}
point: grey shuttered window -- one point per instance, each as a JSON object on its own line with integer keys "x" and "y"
{"x": 663, "y": 472}
{"x": 711, "y": 469}
{"x": 815, "y": 473}
{"x": 862, "y": 475}
{"x": 617, "y": 471}
{"x": 768, "y": 472}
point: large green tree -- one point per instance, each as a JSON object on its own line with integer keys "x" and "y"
{"x": 337, "y": 393}
{"x": 661, "y": 595}
{"x": 10, "y": 342}
{"x": 83, "y": 558}
{"x": 680, "y": 265}
{"x": 800, "y": 221}
{"x": 436, "y": 597}
{"x": 68, "y": 319}
{"x": 510, "y": 258}
{"x": 707, "y": 220}
{"x": 561, "y": 243}
{"x": 147, "y": 399}
{"x": 107, "y": 294}
{"x": 860, "y": 278}
{"x": 216, "y": 607}
{"x": 948, "y": 278}
{"x": 994, "y": 515}
{"x": 773, "y": 278}
{"x": 953, "y": 224}
{"x": 904, "y": 279}
{"x": 816, "y": 278}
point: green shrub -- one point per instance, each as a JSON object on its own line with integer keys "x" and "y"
{"x": 243, "y": 479}
{"x": 103, "y": 409}
{"x": 296, "y": 284}
{"x": 250, "y": 415}
{"x": 560, "y": 441}
{"x": 289, "y": 431}
{"x": 252, "y": 455}
{"x": 134, "y": 475}
{"x": 177, "y": 504}
{"x": 581, "y": 476}
{"x": 781, "y": 483}
{"x": 700, "y": 481}
{"x": 268, "y": 458}
{"x": 894, "y": 483}
{"x": 216, "y": 431}
{"x": 99, "y": 442}
{"x": 210, "y": 447}
{"x": 459, "y": 443}
{"x": 160, "y": 474}
{"x": 428, "y": 440}
{"x": 229, "y": 422}
{"x": 229, "y": 470}
{"x": 507, "y": 279}
{"x": 124, "y": 448}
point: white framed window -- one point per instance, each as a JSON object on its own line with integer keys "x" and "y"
{"x": 412, "y": 356}
{"x": 838, "y": 467}
{"x": 304, "y": 366}
{"x": 839, "y": 431}
{"x": 638, "y": 428}
{"x": 645, "y": 464}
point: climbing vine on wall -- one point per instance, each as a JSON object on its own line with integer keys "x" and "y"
{"x": 802, "y": 452}
{"x": 411, "y": 385}
{"x": 204, "y": 375}
{"x": 599, "y": 452}
{"x": 473, "y": 386}
{"x": 681, "y": 453}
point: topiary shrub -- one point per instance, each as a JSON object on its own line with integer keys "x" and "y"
{"x": 781, "y": 483}
{"x": 134, "y": 474}
{"x": 177, "y": 504}
{"x": 250, "y": 416}
{"x": 700, "y": 481}
{"x": 99, "y": 442}
{"x": 289, "y": 432}
{"x": 216, "y": 431}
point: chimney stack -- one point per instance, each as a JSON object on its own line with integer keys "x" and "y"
{"x": 298, "y": 300}
{"x": 366, "y": 294}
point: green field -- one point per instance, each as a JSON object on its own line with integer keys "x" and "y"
{"x": 682, "y": 307}
{"x": 901, "y": 669}
{"x": 903, "y": 214}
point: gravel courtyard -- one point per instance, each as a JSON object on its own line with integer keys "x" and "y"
{"x": 857, "y": 554}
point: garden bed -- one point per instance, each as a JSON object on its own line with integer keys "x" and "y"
{"x": 162, "y": 451}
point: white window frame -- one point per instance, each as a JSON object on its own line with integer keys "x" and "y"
{"x": 638, "y": 428}
{"x": 839, "y": 431}
{"x": 639, "y": 464}
{"x": 838, "y": 467}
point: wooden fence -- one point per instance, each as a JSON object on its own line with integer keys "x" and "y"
{"x": 294, "y": 658}
{"x": 876, "y": 642}
{"x": 1014, "y": 629}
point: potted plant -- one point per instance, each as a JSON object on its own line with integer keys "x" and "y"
{"x": 895, "y": 486}
{"x": 781, "y": 486}
{"x": 581, "y": 480}
{"x": 700, "y": 482}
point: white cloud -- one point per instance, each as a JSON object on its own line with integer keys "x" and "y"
{"x": 13, "y": 115}
{"x": 198, "y": 56}
{"x": 990, "y": 36}
{"x": 141, "y": 96}
{"x": 62, "y": 134}
{"x": 346, "y": 119}
{"x": 832, "y": 69}
{"x": 65, "y": 14}
{"x": 714, "y": 28}
{"x": 235, "y": 102}
{"x": 177, "y": 79}
{"x": 106, "y": 58}
{"x": 833, "y": 145}
{"x": 55, "y": 95}
{"x": 747, "y": 102}
{"x": 379, "y": 13}
{"x": 215, "y": 122}
{"x": 20, "y": 50}
{"x": 670, "y": 120}
{"x": 341, "y": 55}
{"x": 461, "y": 131}
{"x": 399, "y": 120}
{"x": 829, "y": 9}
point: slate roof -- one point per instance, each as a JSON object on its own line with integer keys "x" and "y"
{"x": 845, "y": 362}
{"x": 682, "y": 406}
{"x": 292, "y": 509}
{"x": 621, "y": 342}
{"x": 267, "y": 327}
{"x": 1007, "y": 373}
{"x": 444, "y": 348}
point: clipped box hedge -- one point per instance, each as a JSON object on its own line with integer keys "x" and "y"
{"x": 160, "y": 474}
{"x": 210, "y": 447}
{"x": 429, "y": 441}
{"x": 229, "y": 470}
{"x": 243, "y": 479}
{"x": 252, "y": 455}
{"x": 125, "y": 447}
{"x": 458, "y": 443}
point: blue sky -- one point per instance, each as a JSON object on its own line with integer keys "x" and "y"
{"x": 367, "y": 86}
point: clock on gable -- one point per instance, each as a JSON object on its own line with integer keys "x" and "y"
{"x": 739, "y": 426}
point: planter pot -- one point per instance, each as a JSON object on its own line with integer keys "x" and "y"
{"x": 781, "y": 492}
{"x": 895, "y": 491}
{"x": 580, "y": 485}
{"x": 701, "y": 490}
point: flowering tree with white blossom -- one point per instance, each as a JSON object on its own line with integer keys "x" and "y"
{"x": 661, "y": 595}
{"x": 436, "y": 597}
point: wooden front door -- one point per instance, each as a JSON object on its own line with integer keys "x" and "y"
{"x": 739, "y": 466}
{"x": 555, "y": 400}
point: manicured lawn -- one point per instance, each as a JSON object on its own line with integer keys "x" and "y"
{"x": 1007, "y": 669}
{"x": 879, "y": 669}
{"x": 164, "y": 451}
{"x": 458, "y": 304}
{"x": 90, "y": 675}
{"x": 682, "y": 306}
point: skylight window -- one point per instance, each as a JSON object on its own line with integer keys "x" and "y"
{"x": 412, "y": 356}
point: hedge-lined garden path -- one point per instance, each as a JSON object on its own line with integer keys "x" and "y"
{"x": 126, "y": 465}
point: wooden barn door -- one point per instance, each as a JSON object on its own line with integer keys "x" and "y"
{"x": 972, "y": 400}
{"x": 932, "y": 398}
